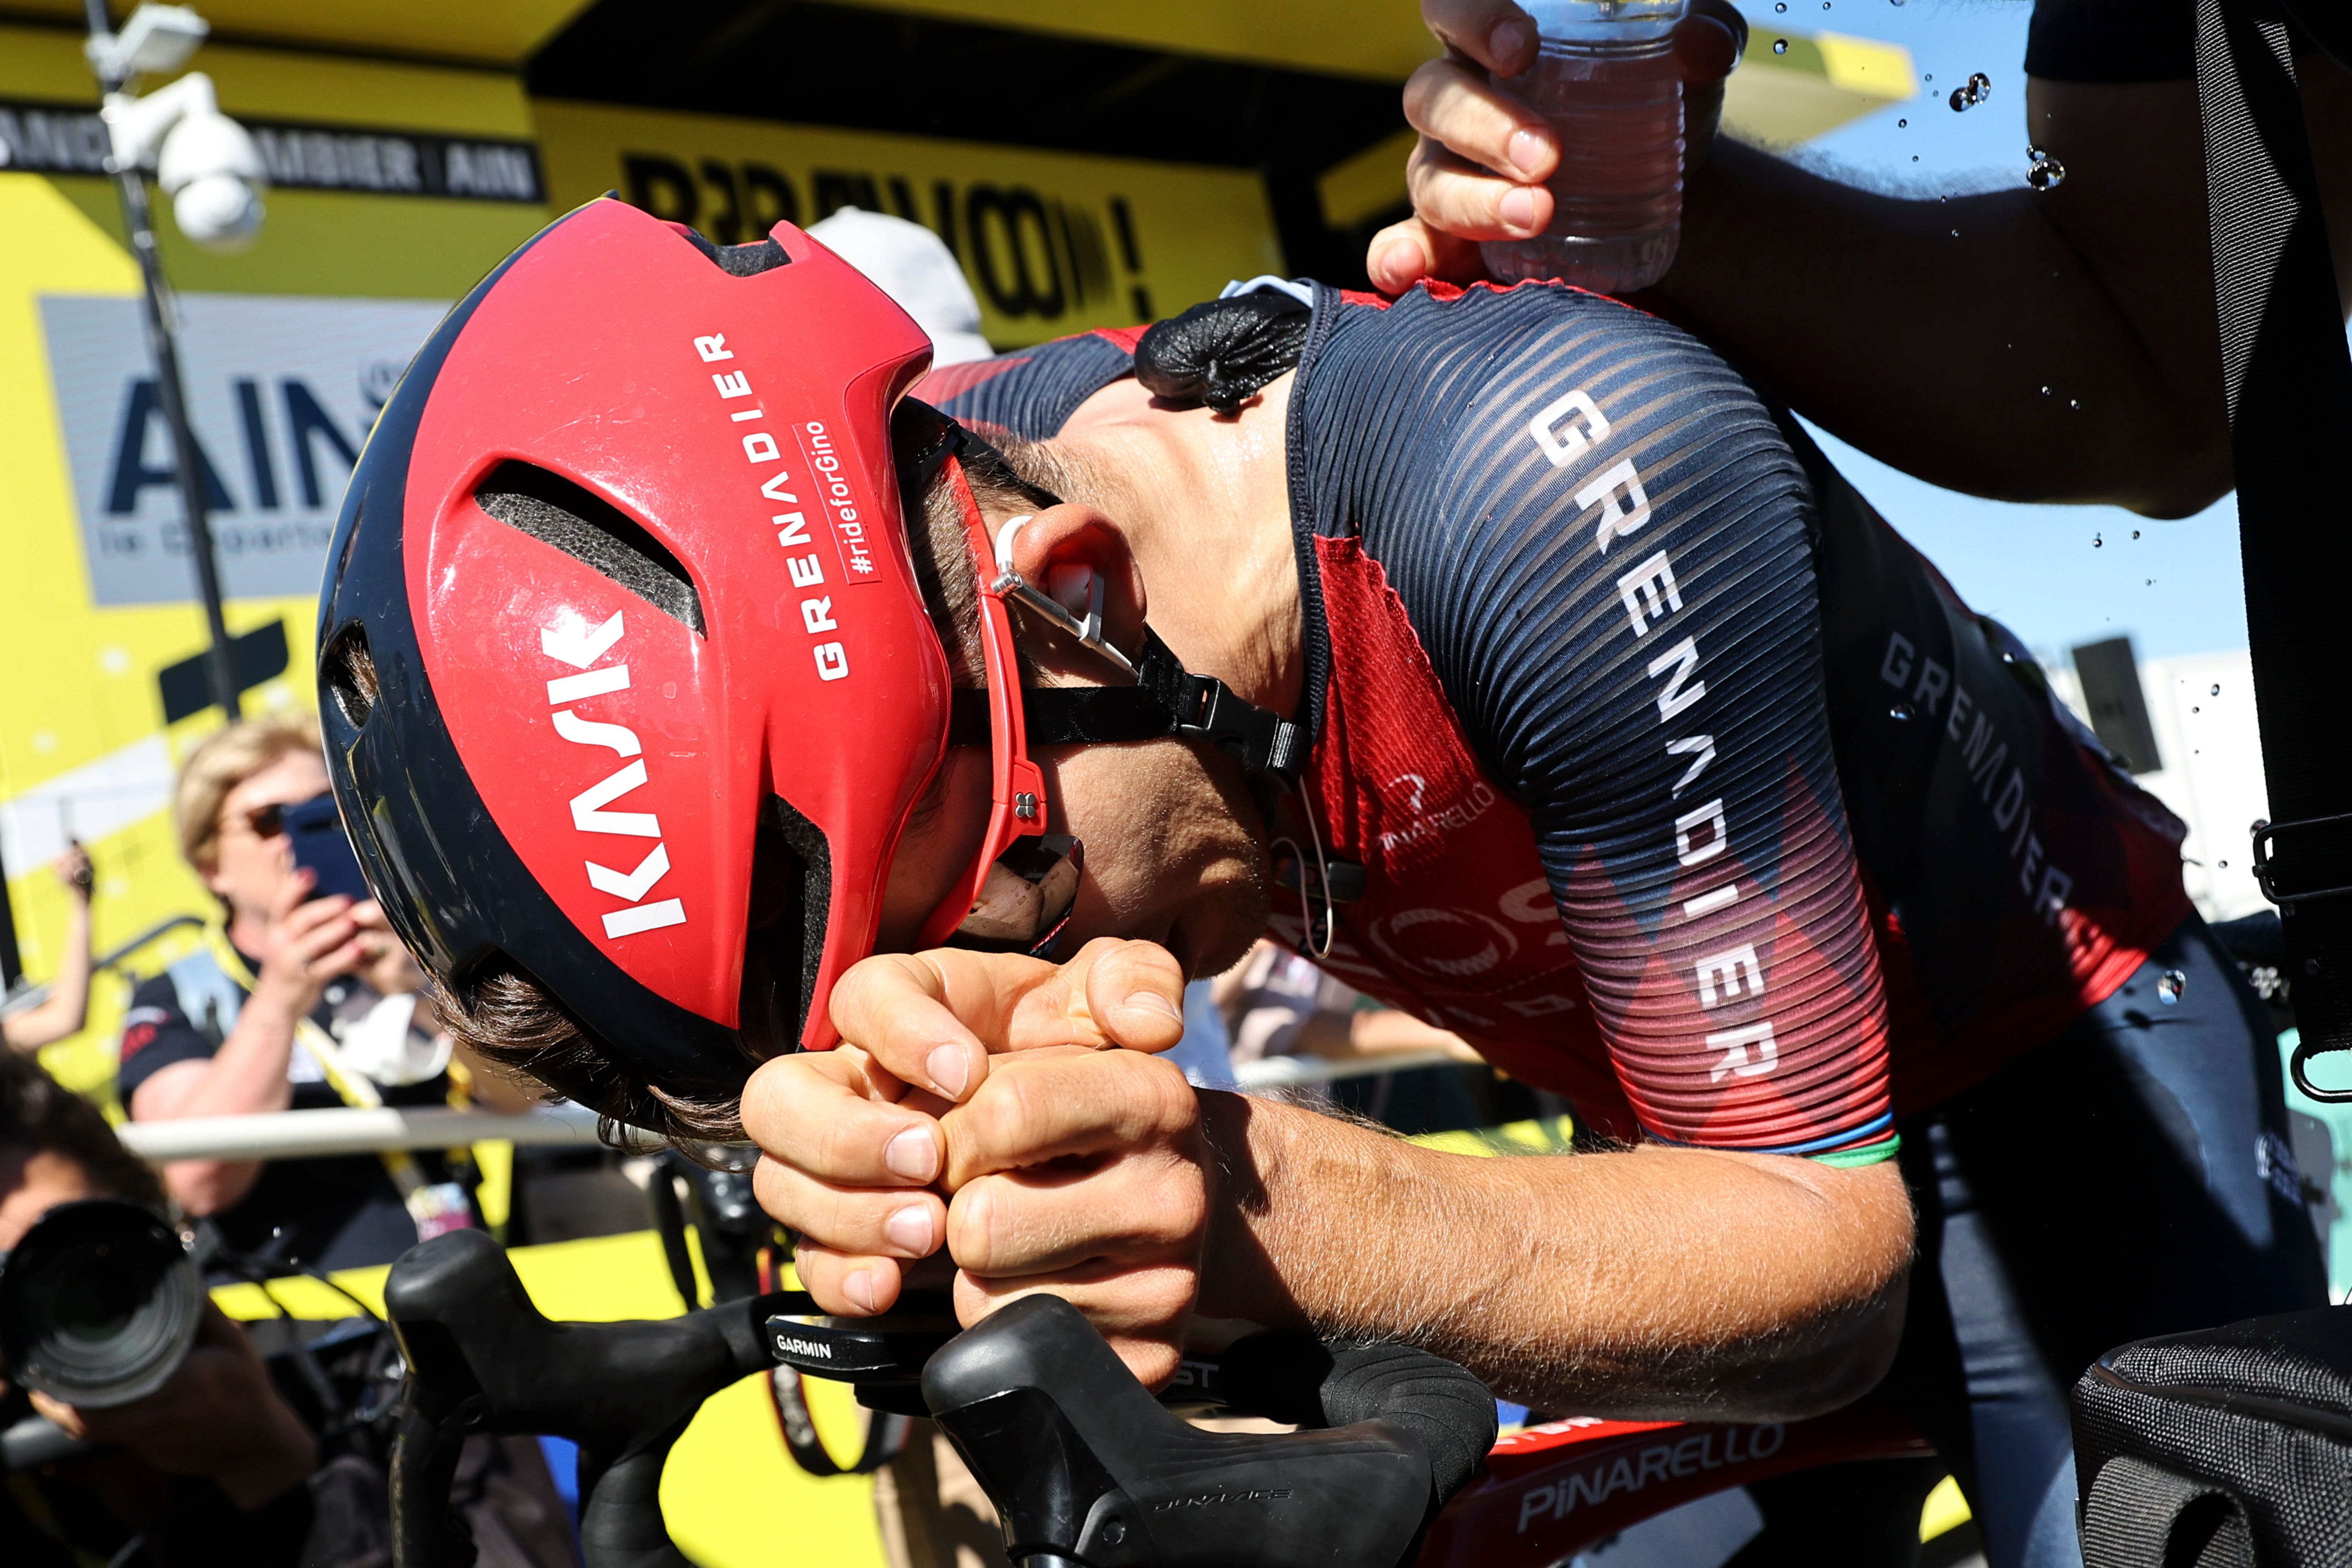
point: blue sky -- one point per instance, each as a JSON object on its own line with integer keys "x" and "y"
{"x": 2176, "y": 587}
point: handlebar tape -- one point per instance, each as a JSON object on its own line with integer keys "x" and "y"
{"x": 1297, "y": 1378}
{"x": 1084, "y": 1465}
{"x": 481, "y": 1357}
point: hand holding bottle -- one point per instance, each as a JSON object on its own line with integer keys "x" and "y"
{"x": 1490, "y": 165}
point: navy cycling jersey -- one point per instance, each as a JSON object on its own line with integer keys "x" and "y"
{"x": 1680, "y": 783}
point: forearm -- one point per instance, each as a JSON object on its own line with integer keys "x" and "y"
{"x": 1925, "y": 331}
{"x": 69, "y": 990}
{"x": 1659, "y": 1283}
{"x": 66, "y": 1007}
{"x": 245, "y": 1076}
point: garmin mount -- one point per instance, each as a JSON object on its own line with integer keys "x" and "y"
{"x": 1086, "y": 1470}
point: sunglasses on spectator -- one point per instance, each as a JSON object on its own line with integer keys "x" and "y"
{"x": 269, "y": 821}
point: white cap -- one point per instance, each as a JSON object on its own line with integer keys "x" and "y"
{"x": 914, "y": 266}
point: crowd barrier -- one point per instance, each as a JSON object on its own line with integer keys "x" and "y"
{"x": 313, "y": 1134}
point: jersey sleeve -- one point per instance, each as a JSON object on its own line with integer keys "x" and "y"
{"x": 1613, "y": 573}
{"x": 1031, "y": 393}
{"x": 155, "y": 1033}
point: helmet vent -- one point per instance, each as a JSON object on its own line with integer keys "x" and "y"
{"x": 349, "y": 674}
{"x": 593, "y": 531}
{"x": 740, "y": 261}
{"x": 791, "y": 896}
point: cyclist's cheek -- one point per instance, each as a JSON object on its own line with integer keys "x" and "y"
{"x": 1174, "y": 852}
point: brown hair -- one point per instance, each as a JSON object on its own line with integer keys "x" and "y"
{"x": 41, "y": 1115}
{"x": 514, "y": 1021}
{"x": 225, "y": 759}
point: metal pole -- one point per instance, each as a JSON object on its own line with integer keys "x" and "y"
{"x": 187, "y": 462}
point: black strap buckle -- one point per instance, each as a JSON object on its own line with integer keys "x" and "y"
{"x": 1261, "y": 740}
{"x": 2298, "y": 861}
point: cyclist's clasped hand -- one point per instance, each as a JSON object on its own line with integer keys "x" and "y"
{"x": 983, "y": 1102}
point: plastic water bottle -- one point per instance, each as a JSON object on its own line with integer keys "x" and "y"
{"x": 1608, "y": 82}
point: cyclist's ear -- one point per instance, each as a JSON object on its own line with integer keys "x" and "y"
{"x": 1064, "y": 549}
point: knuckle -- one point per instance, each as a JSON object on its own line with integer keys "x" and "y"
{"x": 1161, "y": 1098}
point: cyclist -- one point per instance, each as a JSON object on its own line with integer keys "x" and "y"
{"x": 1581, "y": 708}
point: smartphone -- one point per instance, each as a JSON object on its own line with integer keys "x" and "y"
{"x": 316, "y": 828}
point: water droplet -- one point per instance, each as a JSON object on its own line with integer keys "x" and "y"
{"x": 2194, "y": 709}
{"x": 1901, "y": 711}
{"x": 2075, "y": 402}
{"x": 2042, "y": 172}
{"x": 1914, "y": 157}
{"x": 1956, "y": 233}
{"x": 2169, "y": 986}
{"x": 2098, "y": 542}
{"x": 1901, "y": 124}
{"x": 2135, "y": 534}
{"x": 1779, "y": 46}
{"x": 1960, "y": 99}
{"x": 2217, "y": 689}
{"x": 2225, "y": 864}
{"x": 1978, "y": 89}
{"x": 2045, "y": 392}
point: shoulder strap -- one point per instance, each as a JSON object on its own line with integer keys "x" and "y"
{"x": 2289, "y": 382}
{"x": 207, "y": 993}
{"x": 2142, "y": 1516}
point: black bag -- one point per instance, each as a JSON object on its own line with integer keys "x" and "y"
{"x": 2228, "y": 1448}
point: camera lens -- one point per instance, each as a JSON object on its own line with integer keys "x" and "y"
{"x": 97, "y": 1303}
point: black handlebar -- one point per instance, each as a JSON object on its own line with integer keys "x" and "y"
{"x": 1086, "y": 1467}
{"x": 482, "y": 1358}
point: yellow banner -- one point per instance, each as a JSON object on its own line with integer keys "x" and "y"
{"x": 1051, "y": 242}
{"x": 98, "y": 618}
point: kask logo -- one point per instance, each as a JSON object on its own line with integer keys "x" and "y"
{"x": 570, "y": 640}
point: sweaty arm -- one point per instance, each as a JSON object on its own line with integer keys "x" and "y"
{"x": 1658, "y": 1283}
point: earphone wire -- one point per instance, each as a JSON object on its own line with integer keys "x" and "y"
{"x": 1314, "y": 949}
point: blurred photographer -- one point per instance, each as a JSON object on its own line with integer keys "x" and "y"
{"x": 298, "y": 1002}
{"x": 210, "y": 1467}
{"x": 63, "y": 1012}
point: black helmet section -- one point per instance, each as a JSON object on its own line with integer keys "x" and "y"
{"x": 451, "y": 885}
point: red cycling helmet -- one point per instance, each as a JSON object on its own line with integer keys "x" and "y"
{"x": 625, "y": 556}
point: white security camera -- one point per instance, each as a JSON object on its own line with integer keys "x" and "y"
{"x": 206, "y": 162}
{"x": 157, "y": 38}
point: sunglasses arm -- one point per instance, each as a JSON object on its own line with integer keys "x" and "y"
{"x": 1016, "y": 788}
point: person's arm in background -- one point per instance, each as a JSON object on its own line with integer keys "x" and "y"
{"x": 1924, "y": 331}
{"x": 309, "y": 944}
{"x": 66, "y": 1007}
